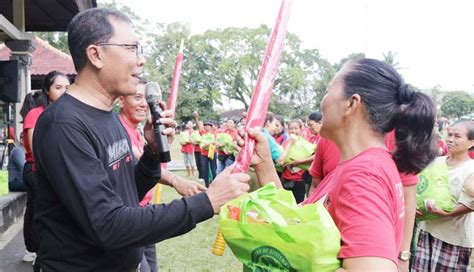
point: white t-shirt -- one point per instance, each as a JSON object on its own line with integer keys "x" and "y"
{"x": 457, "y": 230}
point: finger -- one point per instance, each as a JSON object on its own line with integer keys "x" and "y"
{"x": 244, "y": 187}
{"x": 167, "y": 121}
{"x": 228, "y": 170}
{"x": 168, "y": 131}
{"x": 167, "y": 114}
{"x": 200, "y": 188}
{"x": 241, "y": 177}
{"x": 163, "y": 106}
{"x": 244, "y": 114}
{"x": 149, "y": 119}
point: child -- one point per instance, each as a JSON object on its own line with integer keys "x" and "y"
{"x": 292, "y": 177}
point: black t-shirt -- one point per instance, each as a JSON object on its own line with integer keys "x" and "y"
{"x": 86, "y": 208}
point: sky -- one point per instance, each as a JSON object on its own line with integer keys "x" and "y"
{"x": 433, "y": 40}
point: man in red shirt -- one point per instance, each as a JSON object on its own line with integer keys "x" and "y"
{"x": 133, "y": 111}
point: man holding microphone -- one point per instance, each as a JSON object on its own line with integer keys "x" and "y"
{"x": 89, "y": 187}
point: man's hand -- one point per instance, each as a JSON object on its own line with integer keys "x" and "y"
{"x": 166, "y": 119}
{"x": 227, "y": 186}
{"x": 186, "y": 187}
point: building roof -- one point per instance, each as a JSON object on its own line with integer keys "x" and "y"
{"x": 45, "y": 59}
{"x": 48, "y": 15}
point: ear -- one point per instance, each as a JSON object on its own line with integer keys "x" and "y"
{"x": 120, "y": 100}
{"x": 94, "y": 56}
{"x": 354, "y": 103}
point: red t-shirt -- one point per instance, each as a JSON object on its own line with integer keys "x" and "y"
{"x": 443, "y": 148}
{"x": 292, "y": 174}
{"x": 325, "y": 160}
{"x": 328, "y": 156}
{"x": 29, "y": 123}
{"x": 314, "y": 139}
{"x": 365, "y": 200}
{"x": 197, "y": 148}
{"x": 137, "y": 141}
{"x": 188, "y": 148}
{"x": 135, "y": 136}
{"x": 288, "y": 174}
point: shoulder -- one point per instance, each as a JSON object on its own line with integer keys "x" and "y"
{"x": 31, "y": 117}
{"x": 372, "y": 165}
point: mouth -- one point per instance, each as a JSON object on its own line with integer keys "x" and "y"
{"x": 141, "y": 112}
{"x": 138, "y": 76}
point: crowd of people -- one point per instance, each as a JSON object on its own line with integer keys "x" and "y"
{"x": 90, "y": 173}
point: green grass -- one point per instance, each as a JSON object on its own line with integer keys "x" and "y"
{"x": 193, "y": 251}
{"x": 3, "y": 183}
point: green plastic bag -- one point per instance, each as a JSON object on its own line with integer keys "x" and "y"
{"x": 226, "y": 140}
{"x": 184, "y": 138}
{"x": 433, "y": 186}
{"x": 208, "y": 139}
{"x": 301, "y": 149}
{"x": 195, "y": 137}
{"x": 284, "y": 237}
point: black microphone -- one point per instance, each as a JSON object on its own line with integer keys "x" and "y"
{"x": 153, "y": 98}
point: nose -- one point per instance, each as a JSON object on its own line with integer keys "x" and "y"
{"x": 140, "y": 60}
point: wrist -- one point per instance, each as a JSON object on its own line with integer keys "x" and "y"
{"x": 173, "y": 181}
{"x": 404, "y": 255}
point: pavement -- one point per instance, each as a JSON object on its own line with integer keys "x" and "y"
{"x": 12, "y": 249}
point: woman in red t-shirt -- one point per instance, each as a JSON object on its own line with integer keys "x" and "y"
{"x": 54, "y": 85}
{"x": 366, "y": 99}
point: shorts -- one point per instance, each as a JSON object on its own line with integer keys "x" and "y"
{"x": 188, "y": 159}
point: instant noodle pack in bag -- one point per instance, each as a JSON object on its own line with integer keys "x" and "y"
{"x": 433, "y": 187}
{"x": 267, "y": 231}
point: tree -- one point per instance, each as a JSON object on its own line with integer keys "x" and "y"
{"x": 55, "y": 39}
{"x": 457, "y": 104}
{"x": 352, "y": 56}
{"x": 389, "y": 58}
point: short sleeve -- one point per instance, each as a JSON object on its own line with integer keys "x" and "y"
{"x": 467, "y": 196}
{"x": 409, "y": 179}
{"x": 316, "y": 168}
{"x": 366, "y": 218}
{"x": 31, "y": 118}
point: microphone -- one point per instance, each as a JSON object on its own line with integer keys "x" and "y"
{"x": 153, "y": 98}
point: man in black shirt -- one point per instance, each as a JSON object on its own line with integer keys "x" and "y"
{"x": 88, "y": 187}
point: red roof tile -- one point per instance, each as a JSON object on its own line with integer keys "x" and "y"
{"x": 46, "y": 58}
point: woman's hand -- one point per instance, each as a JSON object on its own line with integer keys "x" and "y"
{"x": 431, "y": 207}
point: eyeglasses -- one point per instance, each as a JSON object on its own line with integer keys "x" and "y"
{"x": 137, "y": 48}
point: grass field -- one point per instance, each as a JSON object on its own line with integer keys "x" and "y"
{"x": 192, "y": 251}
{"x": 3, "y": 182}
